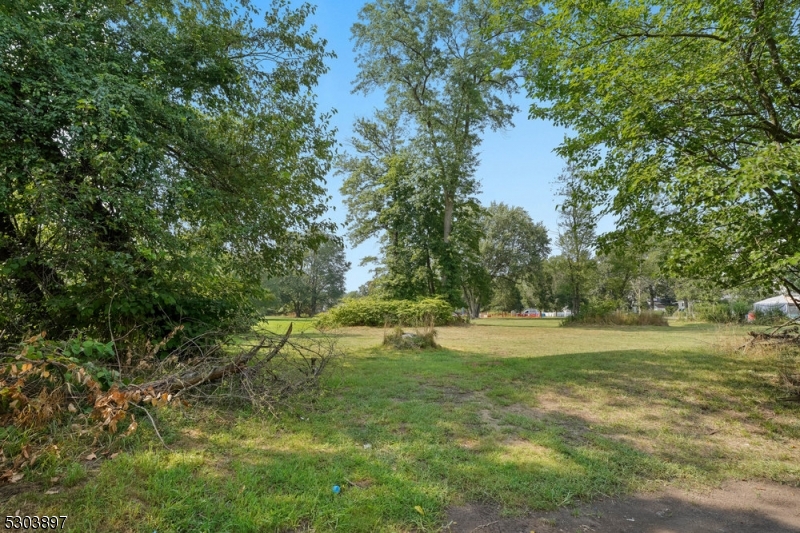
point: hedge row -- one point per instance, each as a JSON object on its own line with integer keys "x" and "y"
{"x": 375, "y": 312}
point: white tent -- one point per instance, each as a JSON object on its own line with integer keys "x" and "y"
{"x": 782, "y": 303}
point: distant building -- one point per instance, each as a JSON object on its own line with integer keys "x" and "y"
{"x": 782, "y": 303}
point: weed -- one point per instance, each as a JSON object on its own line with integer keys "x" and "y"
{"x": 75, "y": 473}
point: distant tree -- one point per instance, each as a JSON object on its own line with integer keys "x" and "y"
{"x": 617, "y": 268}
{"x": 386, "y": 197}
{"x": 539, "y": 291}
{"x": 319, "y": 284}
{"x": 576, "y": 237}
{"x": 506, "y": 295}
{"x": 511, "y": 251}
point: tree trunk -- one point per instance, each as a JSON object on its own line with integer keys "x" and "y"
{"x": 313, "y": 305}
{"x": 448, "y": 216}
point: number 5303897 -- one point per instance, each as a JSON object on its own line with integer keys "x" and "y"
{"x": 35, "y": 522}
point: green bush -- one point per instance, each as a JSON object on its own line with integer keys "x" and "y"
{"x": 771, "y": 317}
{"x": 739, "y": 310}
{"x": 617, "y": 318}
{"x": 718, "y": 313}
{"x": 376, "y": 312}
{"x": 723, "y": 313}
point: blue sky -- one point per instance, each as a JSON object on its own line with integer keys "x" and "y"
{"x": 518, "y": 165}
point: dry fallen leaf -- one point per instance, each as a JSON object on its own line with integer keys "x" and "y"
{"x": 113, "y": 455}
{"x": 54, "y": 479}
{"x": 16, "y": 477}
{"x": 91, "y": 457}
{"x": 53, "y": 491}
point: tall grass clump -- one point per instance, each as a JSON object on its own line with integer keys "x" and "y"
{"x": 780, "y": 346}
{"x": 424, "y": 336}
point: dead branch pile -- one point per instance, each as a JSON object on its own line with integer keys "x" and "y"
{"x": 38, "y": 386}
{"x": 785, "y": 340}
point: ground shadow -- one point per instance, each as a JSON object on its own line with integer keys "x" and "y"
{"x": 740, "y": 507}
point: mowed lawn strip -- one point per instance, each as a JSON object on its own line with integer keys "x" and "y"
{"x": 520, "y": 413}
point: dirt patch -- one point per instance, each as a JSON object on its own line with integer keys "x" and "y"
{"x": 12, "y": 489}
{"x": 736, "y": 507}
{"x": 488, "y": 420}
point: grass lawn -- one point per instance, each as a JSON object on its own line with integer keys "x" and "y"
{"x": 519, "y": 413}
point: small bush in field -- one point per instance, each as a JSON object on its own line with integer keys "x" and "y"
{"x": 375, "y": 312}
{"x": 617, "y": 318}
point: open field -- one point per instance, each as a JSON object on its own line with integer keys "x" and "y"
{"x": 517, "y": 414}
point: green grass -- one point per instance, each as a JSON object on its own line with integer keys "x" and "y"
{"x": 520, "y": 413}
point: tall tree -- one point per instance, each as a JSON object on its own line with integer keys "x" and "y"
{"x": 386, "y": 197}
{"x": 689, "y": 115}
{"x": 576, "y": 237}
{"x": 155, "y": 159}
{"x": 436, "y": 61}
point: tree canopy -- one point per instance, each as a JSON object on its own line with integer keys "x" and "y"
{"x": 156, "y": 158}
{"x": 686, "y": 113}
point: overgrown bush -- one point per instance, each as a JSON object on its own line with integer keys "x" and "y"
{"x": 376, "y": 312}
{"x": 617, "y": 318}
{"x": 132, "y": 196}
{"x": 772, "y": 317}
{"x": 723, "y": 313}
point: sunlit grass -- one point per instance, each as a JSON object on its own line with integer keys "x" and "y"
{"x": 521, "y": 413}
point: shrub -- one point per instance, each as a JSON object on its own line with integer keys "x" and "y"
{"x": 739, "y": 310}
{"x": 617, "y": 318}
{"x": 723, "y": 313}
{"x": 376, "y": 312}
{"x": 772, "y": 317}
{"x": 718, "y": 313}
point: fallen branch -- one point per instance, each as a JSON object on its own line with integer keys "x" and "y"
{"x": 177, "y": 384}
